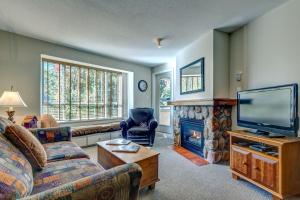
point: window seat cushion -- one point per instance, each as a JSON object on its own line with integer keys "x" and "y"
{"x": 92, "y": 129}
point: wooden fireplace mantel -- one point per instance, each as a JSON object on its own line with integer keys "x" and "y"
{"x": 204, "y": 102}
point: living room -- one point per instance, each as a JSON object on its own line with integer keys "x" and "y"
{"x": 83, "y": 81}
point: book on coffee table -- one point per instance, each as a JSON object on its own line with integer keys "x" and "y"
{"x": 127, "y": 148}
{"x": 118, "y": 142}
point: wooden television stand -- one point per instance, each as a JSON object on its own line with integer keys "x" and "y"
{"x": 279, "y": 175}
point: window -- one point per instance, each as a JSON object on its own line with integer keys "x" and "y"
{"x": 72, "y": 92}
{"x": 164, "y": 91}
{"x": 164, "y": 97}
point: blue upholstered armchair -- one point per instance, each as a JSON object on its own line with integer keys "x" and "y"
{"x": 140, "y": 126}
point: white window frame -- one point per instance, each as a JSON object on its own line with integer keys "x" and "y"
{"x": 126, "y": 101}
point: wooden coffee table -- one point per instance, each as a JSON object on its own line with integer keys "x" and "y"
{"x": 145, "y": 157}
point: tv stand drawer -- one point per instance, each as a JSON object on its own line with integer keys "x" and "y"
{"x": 264, "y": 171}
{"x": 241, "y": 161}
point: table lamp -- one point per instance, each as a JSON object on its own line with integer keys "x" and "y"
{"x": 11, "y": 99}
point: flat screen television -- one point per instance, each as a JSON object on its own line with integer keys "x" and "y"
{"x": 270, "y": 111}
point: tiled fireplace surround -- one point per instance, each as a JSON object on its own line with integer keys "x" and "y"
{"x": 217, "y": 120}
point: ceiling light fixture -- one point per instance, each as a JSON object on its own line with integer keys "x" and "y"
{"x": 158, "y": 42}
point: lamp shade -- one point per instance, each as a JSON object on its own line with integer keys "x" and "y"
{"x": 10, "y": 98}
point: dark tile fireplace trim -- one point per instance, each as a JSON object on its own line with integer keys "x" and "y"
{"x": 194, "y": 125}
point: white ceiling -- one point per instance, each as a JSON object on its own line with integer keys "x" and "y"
{"x": 125, "y": 29}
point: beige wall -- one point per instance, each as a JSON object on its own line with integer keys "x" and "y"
{"x": 267, "y": 50}
{"x": 214, "y": 47}
{"x": 237, "y": 61}
{"x": 273, "y": 47}
{"x": 237, "y": 65}
{"x": 20, "y": 67}
{"x": 221, "y": 65}
{"x": 169, "y": 66}
{"x": 203, "y": 47}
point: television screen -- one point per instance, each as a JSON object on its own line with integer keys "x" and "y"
{"x": 272, "y": 108}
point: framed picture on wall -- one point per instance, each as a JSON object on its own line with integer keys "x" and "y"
{"x": 192, "y": 77}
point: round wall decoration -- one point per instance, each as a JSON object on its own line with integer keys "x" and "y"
{"x": 142, "y": 85}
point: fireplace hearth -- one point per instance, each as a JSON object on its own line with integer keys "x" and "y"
{"x": 192, "y": 137}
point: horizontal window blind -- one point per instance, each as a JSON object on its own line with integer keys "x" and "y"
{"x": 72, "y": 92}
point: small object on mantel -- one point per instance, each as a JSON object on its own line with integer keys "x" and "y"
{"x": 210, "y": 102}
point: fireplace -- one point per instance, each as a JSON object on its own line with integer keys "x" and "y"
{"x": 192, "y": 137}
{"x": 213, "y": 120}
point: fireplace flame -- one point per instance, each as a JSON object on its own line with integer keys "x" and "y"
{"x": 196, "y": 135}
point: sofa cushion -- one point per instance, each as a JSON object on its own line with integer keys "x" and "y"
{"x": 63, "y": 151}
{"x": 28, "y": 144}
{"x": 62, "y": 172}
{"x": 16, "y": 179}
{"x": 92, "y": 129}
{"x": 136, "y": 130}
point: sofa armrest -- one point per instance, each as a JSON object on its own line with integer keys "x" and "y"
{"x": 48, "y": 135}
{"x": 127, "y": 124}
{"x": 124, "y": 124}
{"x": 119, "y": 183}
{"x": 153, "y": 124}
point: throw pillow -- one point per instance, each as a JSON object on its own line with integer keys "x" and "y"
{"x": 28, "y": 144}
{"x": 48, "y": 121}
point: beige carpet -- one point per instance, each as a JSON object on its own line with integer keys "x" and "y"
{"x": 180, "y": 179}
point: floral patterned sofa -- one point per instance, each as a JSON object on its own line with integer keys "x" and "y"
{"x": 69, "y": 173}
